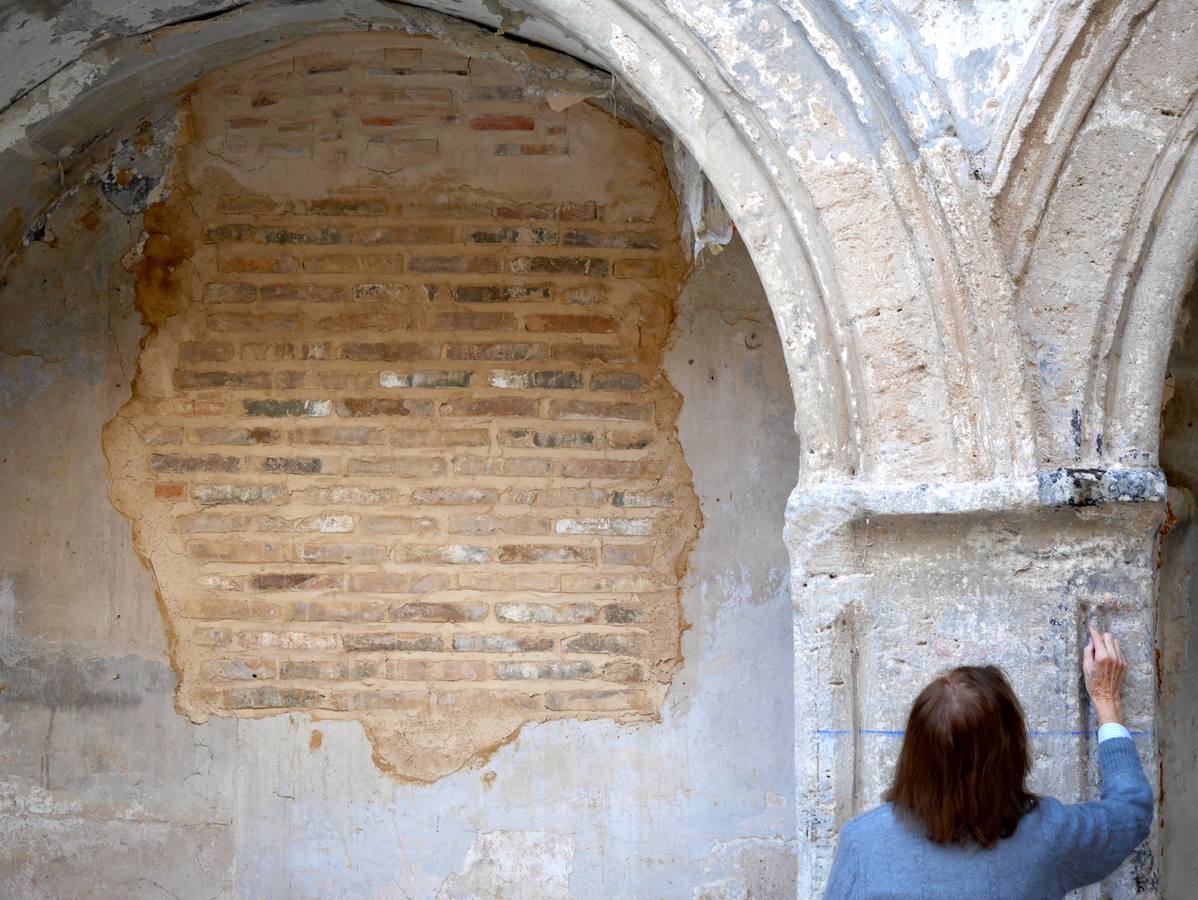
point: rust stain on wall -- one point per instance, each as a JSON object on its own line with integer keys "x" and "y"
{"x": 400, "y": 447}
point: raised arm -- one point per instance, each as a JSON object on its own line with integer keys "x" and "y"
{"x": 1097, "y": 836}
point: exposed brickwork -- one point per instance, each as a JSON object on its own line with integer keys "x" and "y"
{"x": 408, "y": 454}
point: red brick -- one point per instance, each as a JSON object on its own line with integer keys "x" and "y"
{"x": 501, "y": 122}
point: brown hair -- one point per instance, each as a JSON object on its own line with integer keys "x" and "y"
{"x": 960, "y": 775}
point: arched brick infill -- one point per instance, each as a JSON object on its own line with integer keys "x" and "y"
{"x": 400, "y": 448}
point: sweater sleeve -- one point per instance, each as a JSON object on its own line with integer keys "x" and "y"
{"x": 842, "y": 882}
{"x": 1098, "y": 835}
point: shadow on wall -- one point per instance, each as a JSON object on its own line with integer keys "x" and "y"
{"x": 1177, "y": 638}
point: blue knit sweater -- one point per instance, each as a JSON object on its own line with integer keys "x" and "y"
{"x": 1056, "y": 848}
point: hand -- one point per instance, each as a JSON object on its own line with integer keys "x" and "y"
{"x": 1104, "y": 668}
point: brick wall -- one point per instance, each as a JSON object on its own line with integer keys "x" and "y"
{"x": 400, "y": 447}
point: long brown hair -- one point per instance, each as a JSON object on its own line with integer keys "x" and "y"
{"x": 961, "y": 773}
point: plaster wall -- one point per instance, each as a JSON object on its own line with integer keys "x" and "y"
{"x": 97, "y": 764}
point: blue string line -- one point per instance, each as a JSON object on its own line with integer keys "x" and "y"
{"x": 882, "y": 732}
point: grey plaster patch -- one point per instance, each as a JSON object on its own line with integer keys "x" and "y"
{"x": 752, "y": 868}
{"x": 514, "y": 865}
{"x": 133, "y": 178}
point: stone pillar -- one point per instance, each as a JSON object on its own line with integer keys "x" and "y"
{"x": 894, "y": 584}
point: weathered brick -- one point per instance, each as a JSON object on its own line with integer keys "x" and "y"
{"x": 553, "y": 380}
{"x": 604, "y": 526}
{"x": 401, "y": 582}
{"x": 563, "y": 671}
{"x": 618, "y": 644}
{"x": 159, "y": 435}
{"x": 560, "y": 265}
{"x": 638, "y": 268}
{"x": 242, "y": 437}
{"x": 458, "y": 437}
{"x": 399, "y": 525}
{"x": 438, "y": 612}
{"x": 384, "y": 292}
{"x": 642, "y": 499}
{"x": 503, "y": 468}
{"x": 490, "y": 406}
{"x": 596, "y": 701}
{"x": 411, "y": 702}
{"x": 532, "y": 235}
{"x": 530, "y": 149}
{"x": 570, "y": 440}
{"x": 627, "y": 554}
{"x": 592, "y": 584}
{"x": 374, "y": 318}
{"x": 256, "y": 263}
{"x": 189, "y": 380}
{"x": 288, "y": 640}
{"x": 230, "y": 293}
{"x": 547, "y": 614}
{"x": 375, "y": 406}
{"x": 397, "y": 466}
{"x": 327, "y": 523}
{"x": 623, "y": 671}
{"x": 455, "y": 496}
{"x": 272, "y": 698}
{"x": 443, "y": 554}
{"x": 634, "y": 240}
{"x": 181, "y": 463}
{"x": 385, "y": 641}
{"x": 330, "y": 670}
{"x": 616, "y": 381}
{"x": 629, "y": 440}
{"x": 364, "y": 554}
{"x": 545, "y": 553}
{"x": 170, "y": 491}
{"x": 526, "y": 211}
{"x": 296, "y": 581}
{"x": 239, "y": 669}
{"x": 302, "y": 293}
{"x": 389, "y": 352}
{"x": 212, "y": 523}
{"x": 244, "y": 494}
{"x": 205, "y": 351}
{"x": 499, "y": 351}
{"x": 346, "y": 263}
{"x": 459, "y": 379}
{"x": 277, "y": 409}
{"x": 405, "y": 234}
{"x": 556, "y": 497}
{"x": 293, "y": 465}
{"x": 577, "y": 212}
{"x": 501, "y": 293}
{"x": 346, "y": 435}
{"x": 473, "y": 321}
{"x": 348, "y": 495}
{"x": 572, "y": 324}
{"x": 486, "y": 524}
{"x": 601, "y": 409}
{"x": 437, "y": 670}
{"x": 480, "y": 265}
{"x": 607, "y": 468}
{"x": 254, "y": 322}
{"x": 470, "y": 642}
{"x": 228, "y": 551}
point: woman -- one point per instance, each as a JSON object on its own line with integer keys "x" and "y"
{"x": 960, "y": 822}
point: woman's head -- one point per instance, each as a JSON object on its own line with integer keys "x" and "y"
{"x": 960, "y": 775}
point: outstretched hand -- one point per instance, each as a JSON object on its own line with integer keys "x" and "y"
{"x": 1104, "y": 667}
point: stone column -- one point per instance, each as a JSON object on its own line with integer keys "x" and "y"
{"x": 893, "y": 584}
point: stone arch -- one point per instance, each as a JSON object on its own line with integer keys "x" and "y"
{"x": 1098, "y": 305}
{"x": 871, "y": 405}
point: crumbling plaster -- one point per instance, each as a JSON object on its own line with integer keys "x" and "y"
{"x": 969, "y": 224}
